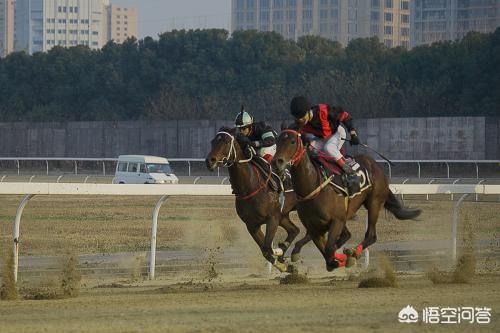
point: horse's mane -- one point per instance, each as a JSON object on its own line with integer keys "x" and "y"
{"x": 227, "y": 129}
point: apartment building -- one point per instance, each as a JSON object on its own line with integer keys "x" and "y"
{"x": 42, "y": 24}
{"x": 437, "y": 20}
{"x": 121, "y": 23}
{"x": 339, "y": 20}
{"x": 6, "y": 27}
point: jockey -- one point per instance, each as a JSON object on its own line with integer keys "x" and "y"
{"x": 321, "y": 125}
{"x": 258, "y": 136}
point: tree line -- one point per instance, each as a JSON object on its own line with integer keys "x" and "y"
{"x": 208, "y": 74}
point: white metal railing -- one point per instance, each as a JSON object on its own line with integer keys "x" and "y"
{"x": 189, "y": 162}
{"x": 29, "y": 190}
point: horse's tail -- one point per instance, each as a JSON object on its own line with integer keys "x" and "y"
{"x": 395, "y": 206}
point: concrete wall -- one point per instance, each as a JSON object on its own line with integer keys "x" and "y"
{"x": 397, "y": 138}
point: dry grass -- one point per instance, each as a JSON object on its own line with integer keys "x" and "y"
{"x": 114, "y": 224}
{"x": 8, "y": 290}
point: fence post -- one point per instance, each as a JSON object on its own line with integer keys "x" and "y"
{"x": 454, "y": 228}
{"x": 154, "y": 228}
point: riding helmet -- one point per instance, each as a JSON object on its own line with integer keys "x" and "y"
{"x": 299, "y": 106}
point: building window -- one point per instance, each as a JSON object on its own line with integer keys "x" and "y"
{"x": 388, "y": 42}
{"x": 376, "y": 3}
{"x": 405, "y": 31}
{"x": 388, "y": 3}
{"x": 405, "y": 5}
{"x": 405, "y": 44}
{"x": 352, "y": 28}
{"x": 387, "y": 30}
{"x": 375, "y": 16}
{"x": 388, "y": 17}
{"x": 278, "y": 4}
{"x": 405, "y": 18}
{"x": 374, "y": 29}
{"x": 76, "y": 9}
{"x": 59, "y": 9}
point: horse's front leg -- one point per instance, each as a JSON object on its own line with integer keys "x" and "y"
{"x": 333, "y": 259}
{"x": 258, "y": 236}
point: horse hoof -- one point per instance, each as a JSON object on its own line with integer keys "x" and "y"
{"x": 295, "y": 257}
{"x": 281, "y": 267}
{"x": 330, "y": 267}
{"x": 351, "y": 261}
{"x": 348, "y": 252}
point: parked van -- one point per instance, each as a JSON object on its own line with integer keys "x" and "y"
{"x": 140, "y": 169}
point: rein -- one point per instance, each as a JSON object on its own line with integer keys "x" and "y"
{"x": 228, "y": 161}
{"x": 297, "y": 156}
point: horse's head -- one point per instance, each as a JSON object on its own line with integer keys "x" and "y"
{"x": 224, "y": 149}
{"x": 289, "y": 150}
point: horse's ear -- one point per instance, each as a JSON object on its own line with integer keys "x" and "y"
{"x": 284, "y": 126}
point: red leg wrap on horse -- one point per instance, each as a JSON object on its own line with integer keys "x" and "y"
{"x": 358, "y": 250}
{"x": 340, "y": 257}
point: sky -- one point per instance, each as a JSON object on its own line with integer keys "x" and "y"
{"x": 156, "y": 16}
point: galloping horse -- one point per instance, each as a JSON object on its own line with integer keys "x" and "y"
{"x": 321, "y": 209}
{"x": 256, "y": 203}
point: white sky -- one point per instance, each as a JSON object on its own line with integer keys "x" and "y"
{"x": 156, "y": 16}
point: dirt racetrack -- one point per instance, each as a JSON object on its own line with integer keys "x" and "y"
{"x": 251, "y": 304}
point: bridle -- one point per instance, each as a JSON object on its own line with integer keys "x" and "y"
{"x": 299, "y": 152}
{"x": 229, "y": 159}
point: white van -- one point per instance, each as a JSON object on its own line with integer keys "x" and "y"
{"x": 141, "y": 169}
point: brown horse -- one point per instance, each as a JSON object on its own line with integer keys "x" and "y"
{"x": 322, "y": 210}
{"x": 256, "y": 202}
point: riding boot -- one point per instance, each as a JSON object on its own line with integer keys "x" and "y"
{"x": 351, "y": 179}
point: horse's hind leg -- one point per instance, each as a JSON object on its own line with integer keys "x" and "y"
{"x": 292, "y": 232}
{"x": 298, "y": 247}
{"x": 345, "y": 235}
{"x": 373, "y": 207}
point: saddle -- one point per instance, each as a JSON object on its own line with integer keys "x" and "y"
{"x": 275, "y": 182}
{"x": 329, "y": 168}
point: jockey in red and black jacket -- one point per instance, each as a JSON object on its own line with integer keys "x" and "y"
{"x": 326, "y": 120}
{"x": 320, "y": 124}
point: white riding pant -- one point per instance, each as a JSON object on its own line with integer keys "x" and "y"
{"x": 331, "y": 145}
{"x": 267, "y": 151}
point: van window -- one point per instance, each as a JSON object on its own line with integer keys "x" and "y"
{"x": 132, "y": 167}
{"x": 159, "y": 168}
{"x": 142, "y": 168}
{"x": 122, "y": 166}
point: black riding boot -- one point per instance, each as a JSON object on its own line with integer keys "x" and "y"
{"x": 352, "y": 180}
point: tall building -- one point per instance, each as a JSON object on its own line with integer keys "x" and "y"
{"x": 42, "y": 24}
{"x": 6, "y": 27}
{"x": 436, "y": 20}
{"x": 121, "y": 23}
{"x": 339, "y": 20}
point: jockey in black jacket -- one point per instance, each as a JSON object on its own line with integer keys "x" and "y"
{"x": 259, "y": 136}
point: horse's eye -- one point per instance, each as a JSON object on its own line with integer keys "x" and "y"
{"x": 293, "y": 142}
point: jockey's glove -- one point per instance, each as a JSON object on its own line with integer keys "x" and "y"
{"x": 354, "y": 139}
{"x": 243, "y": 140}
